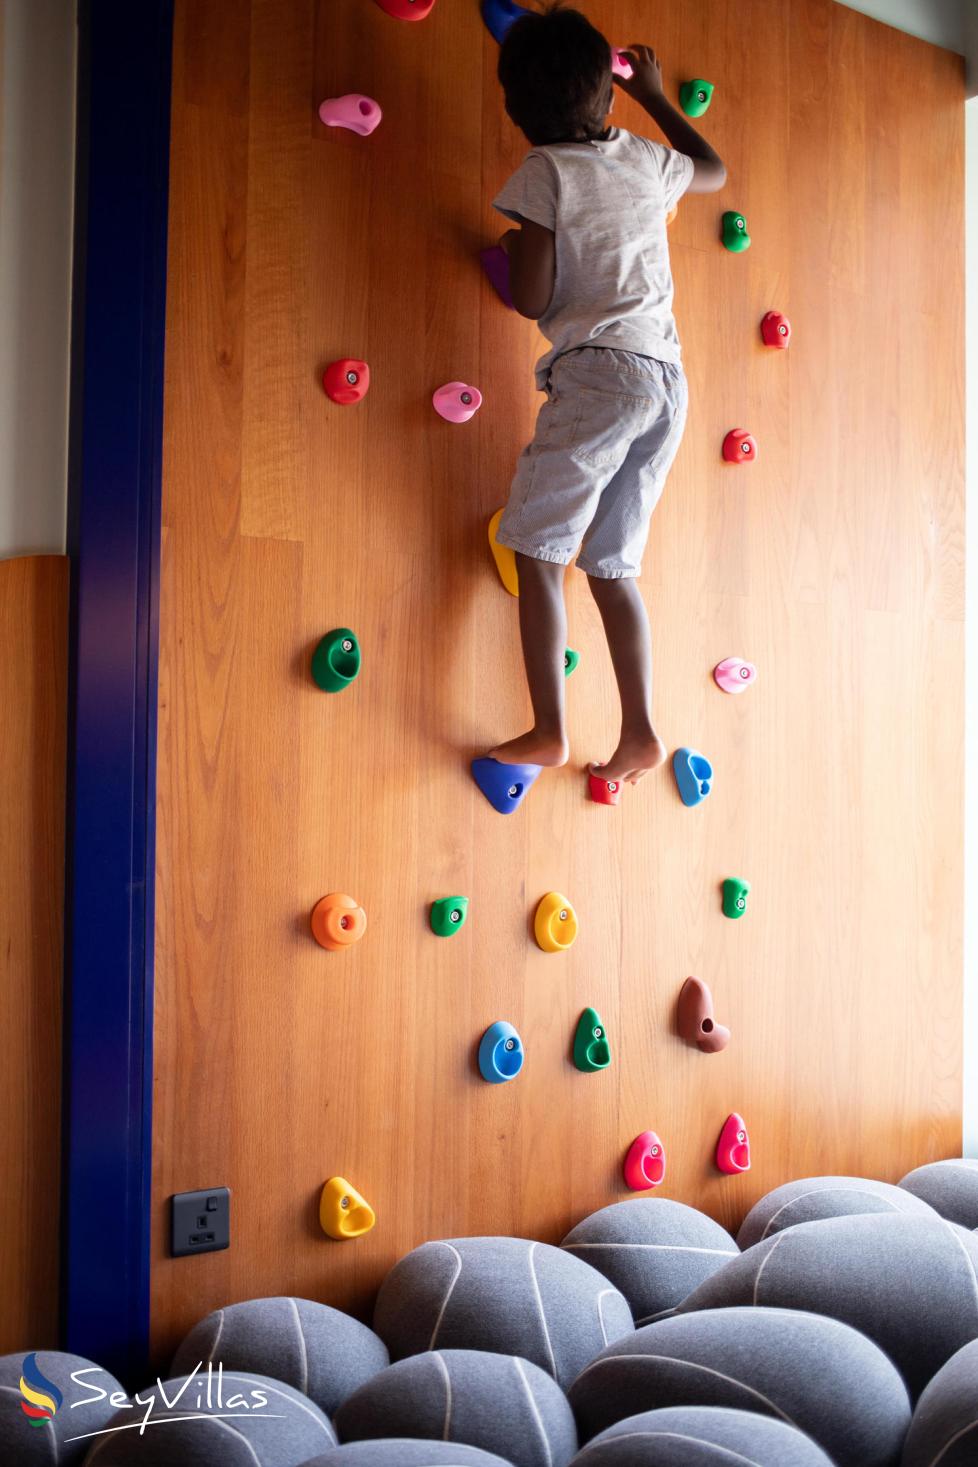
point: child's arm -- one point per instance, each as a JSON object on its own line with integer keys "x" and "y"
{"x": 645, "y": 85}
{"x": 532, "y": 267}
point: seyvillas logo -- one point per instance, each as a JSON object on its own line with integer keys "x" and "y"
{"x": 40, "y": 1396}
{"x": 196, "y": 1397}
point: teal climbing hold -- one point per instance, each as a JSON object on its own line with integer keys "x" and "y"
{"x": 571, "y": 659}
{"x": 591, "y": 1048}
{"x": 336, "y": 660}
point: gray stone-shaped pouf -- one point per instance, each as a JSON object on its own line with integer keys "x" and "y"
{"x": 812, "y": 1198}
{"x": 400, "y": 1452}
{"x": 47, "y": 1373}
{"x": 654, "y": 1250}
{"x": 944, "y": 1428}
{"x": 909, "y": 1283}
{"x": 252, "y": 1421}
{"x": 322, "y": 1353}
{"x": 951, "y": 1188}
{"x": 813, "y": 1373}
{"x": 701, "y": 1436}
{"x": 497, "y": 1402}
{"x": 506, "y": 1295}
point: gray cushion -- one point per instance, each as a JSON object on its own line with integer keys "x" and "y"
{"x": 507, "y": 1295}
{"x": 951, "y": 1188}
{"x": 945, "y": 1424}
{"x": 322, "y": 1353}
{"x": 398, "y": 1452}
{"x": 812, "y": 1198}
{"x": 497, "y": 1402}
{"x": 654, "y": 1250}
{"x": 701, "y": 1436}
{"x": 25, "y": 1444}
{"x": 253, "y": 1422}
{"x": 909, "y": 1283}
{"x": 813, "y": 1373}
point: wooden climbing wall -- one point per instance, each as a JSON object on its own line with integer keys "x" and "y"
{"x": 835, "y": 563}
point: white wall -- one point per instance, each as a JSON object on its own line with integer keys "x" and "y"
{"x": 37, "y": 141}
{"x": 939, "y": 21}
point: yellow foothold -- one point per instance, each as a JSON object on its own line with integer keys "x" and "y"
{"x": 555, "y": 924}
{"x": 504, "y": 557}
{"x": 343, "y": 1213}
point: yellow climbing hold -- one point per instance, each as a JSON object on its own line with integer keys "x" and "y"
{"x": 504, "y": 557}
{"x": 555, "y": 923}
{"x": 343, "y": 1213}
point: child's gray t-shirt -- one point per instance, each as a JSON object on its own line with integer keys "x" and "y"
{"x": 606, "y": 202}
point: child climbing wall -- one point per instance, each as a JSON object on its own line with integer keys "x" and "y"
{"x": 831, "y": 564}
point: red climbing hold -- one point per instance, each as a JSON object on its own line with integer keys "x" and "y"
{"x": 346, "y": 381}
{"x": 776, "y": 330}
{"x": 645, "y": 1164}
{"x": 739, "y": 447}
{"x": 733, "y": 1147}
{"x": 604, "y": 791}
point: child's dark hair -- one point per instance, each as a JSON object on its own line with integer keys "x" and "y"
{"x": 555, "y": 71}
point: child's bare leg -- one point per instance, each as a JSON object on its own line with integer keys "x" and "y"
{"x": 543, "y": 629}
{"x": 626, "y": 625}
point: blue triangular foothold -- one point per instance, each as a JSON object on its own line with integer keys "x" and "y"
{"x": 694, "y": 776}
{"x": 504, "y": 785}
{"x": 499, "y": 15}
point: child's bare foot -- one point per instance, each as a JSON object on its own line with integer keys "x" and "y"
{"x": 633, "y": 759}
{"x": 535, "y": 747}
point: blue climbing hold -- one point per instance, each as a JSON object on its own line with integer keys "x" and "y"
{"x": 694, "y": 776}
{"x": 504, "y": 785}
{"x": 499, "y": 15}
{"x": 500, "y": 1053}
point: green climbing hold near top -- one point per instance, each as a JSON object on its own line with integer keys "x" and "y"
{"x": 695, "y": 96}
{"x": 336, "y": 661}
{"x": 591, "y": 1048}
{"x": 448, "y": 914}
{"x": 571, "y": 659}
{"x": 735, "y": 236}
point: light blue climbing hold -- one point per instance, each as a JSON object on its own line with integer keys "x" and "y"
{"x": 500, "y": 1053}
{"x": 694, "y": 776}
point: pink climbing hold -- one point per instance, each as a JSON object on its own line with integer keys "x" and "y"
{"x": 645, "y": 1164}
{"x": 620, "y": 64}
{"x": 457, "y": 402}
{"x": 734, "y": 675}
{"x": 733, "y": 1147}
{"x": 358, "y": 113}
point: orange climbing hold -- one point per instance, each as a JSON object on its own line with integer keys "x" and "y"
{"x": 338, "y": 921}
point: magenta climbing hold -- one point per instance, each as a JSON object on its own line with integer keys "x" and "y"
{"x": 733, "y": 1147}
{"x": 495, "y": 262}
{"x": 734, "y": 675}
{"x": 505, "y": 786}
{"x": 739, "y": 447}
{"x": 354, "y": 111}
{"x": 407, "y": 9}
{"x": 645, "y": 1164}
{"x": 457, "y": 402}
{"x": 620, "y": 64}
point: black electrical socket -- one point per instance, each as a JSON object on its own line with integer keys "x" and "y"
{"x": 200, "y": 1222}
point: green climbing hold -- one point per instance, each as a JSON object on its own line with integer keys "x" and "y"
{"x": 735, "y": 896}
{"x": 571, "y": 659}
{"x": 591, "y": 1048}
{"x": 735, "y": 236}
{"x": 448, "y": 914}
{"x": 336, "y": 661}
{"x": 695, "y": 96}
